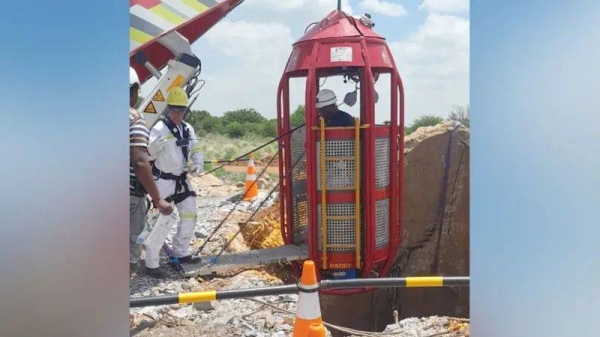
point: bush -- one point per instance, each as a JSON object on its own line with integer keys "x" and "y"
{"x": 427, "y": 120}
{"x": 269, "y": 129}
{"x": 196, "y": 118}
{"x": 298, "y": 116}
{"x": 235, "y": 130}
{"x": 242, "y": 116}
{"x": 211, "y": 124}
{"x": 252, "y": 128}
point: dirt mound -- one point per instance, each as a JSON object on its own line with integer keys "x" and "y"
{"x": 265, "y": 232}
{"x": 435, "y": 238}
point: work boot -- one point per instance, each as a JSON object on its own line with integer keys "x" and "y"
{"x": 190, "y": 259}
{"x": 156, "y": 272}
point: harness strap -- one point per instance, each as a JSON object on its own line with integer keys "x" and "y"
{"x": 180, "y": 185}
{"x": 182, "y": 140}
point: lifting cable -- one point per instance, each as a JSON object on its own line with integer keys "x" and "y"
{"x": 249, "y": 152}
{"x": 214, "y": 259}
{"x": 253, "y": 183}
{"x": 242, "y": 157}
{"x": 234, "y": 207}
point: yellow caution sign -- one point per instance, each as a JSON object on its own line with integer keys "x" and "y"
{"x": 158, "y": 97}
{"x": 177, "y": 82}
{"x": 150, "y": 109}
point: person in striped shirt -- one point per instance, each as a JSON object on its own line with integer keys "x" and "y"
{"x": 141, "y": 181}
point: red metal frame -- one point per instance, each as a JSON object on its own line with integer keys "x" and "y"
{"x": 192, "y": 30}
{"x": 310, "y": 59}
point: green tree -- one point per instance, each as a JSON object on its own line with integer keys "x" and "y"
{"x": 427, "y": 120}
{"x": 253, "y": 128}
{"x": 269, "y": 128}
{"x": 211, "y": 124}
{"x": 196, "y": 118}
{"x": 242, "y": 116}
{"x": 298, "y": 116}
{"x": 235, "y": 130}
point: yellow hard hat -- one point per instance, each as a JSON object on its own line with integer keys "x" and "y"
{"x": 177, "y": 97}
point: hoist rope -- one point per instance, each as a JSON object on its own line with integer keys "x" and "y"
{"x": 255, "y": 181}
{"x": 214, "y": 259}
{"x": 233, "y": 208}
{"x": 256, "y": 149}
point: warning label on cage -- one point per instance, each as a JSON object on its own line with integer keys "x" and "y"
{"x": 158, "y": 97}
{"x": 150, "y": 109}
{"x": 178, "y": 82}
{"x": 341, "y": 54}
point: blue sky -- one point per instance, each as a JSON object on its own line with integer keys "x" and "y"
{"x": 244, "y": 55}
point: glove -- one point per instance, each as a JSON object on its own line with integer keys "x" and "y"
{"x": 156, "y": 147}
{"x": 196, "y": 169}
{"x": 198, "y": 166}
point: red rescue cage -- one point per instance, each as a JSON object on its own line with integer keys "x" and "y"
{"x": 353, "y": 173}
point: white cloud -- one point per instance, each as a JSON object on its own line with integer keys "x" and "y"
{"x": 251, "y": 58}
{"x": 297, "y": 12}
{"x": 249, "y": 40}
{"x": 445, "y": 6}
{"x": 383, "y": 7}
{"x": 316, "y": 6}
{"x": 244, "y": 55}
{"x": 434, "y": 65}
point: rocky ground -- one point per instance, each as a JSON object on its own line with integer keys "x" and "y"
{"x": 224, "y": 318}
{"x": 273, "y": 315}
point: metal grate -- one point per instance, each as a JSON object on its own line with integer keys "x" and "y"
{"x": 299, "y": 197}
{"x": 382, "y": 220}
{"x": 297, "y": 151}
{"x": 339, "y": 232}
{"x": 382, "y": 162}
{"x": 340, "y": 173}
{"x": 300, "y": 214}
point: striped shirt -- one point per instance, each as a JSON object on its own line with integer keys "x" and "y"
{"x": 138, "y": 136}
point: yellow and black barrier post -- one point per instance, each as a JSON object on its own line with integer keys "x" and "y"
{"x": 213, "y": 295}
{"x": 397, "y": 282}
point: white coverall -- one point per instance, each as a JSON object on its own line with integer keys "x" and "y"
{"x": 171, "y": 160}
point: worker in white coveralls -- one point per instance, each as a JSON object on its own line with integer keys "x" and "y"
{"x": 178, "y": 146}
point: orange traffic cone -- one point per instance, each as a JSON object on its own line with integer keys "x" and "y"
{"x": 251, "y": 189}
{"x": 308, "y": 310}
{"x": 316, "y": 330}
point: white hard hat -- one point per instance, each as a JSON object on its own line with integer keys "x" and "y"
{"x": 133, "y": 77}
{"x": 326, "y": 97}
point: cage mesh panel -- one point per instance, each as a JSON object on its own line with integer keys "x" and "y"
{"x": 338, "y": 231}
{"x": 340, "y": 174}
{"x": 299, "y": 197}
{"x": 382, "y": 229}
{"x": 382, "y": 162}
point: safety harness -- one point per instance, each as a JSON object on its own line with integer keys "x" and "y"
{"x": 182, "y": 190}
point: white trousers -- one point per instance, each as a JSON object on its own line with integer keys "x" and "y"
{"x": 185, "y": 227}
